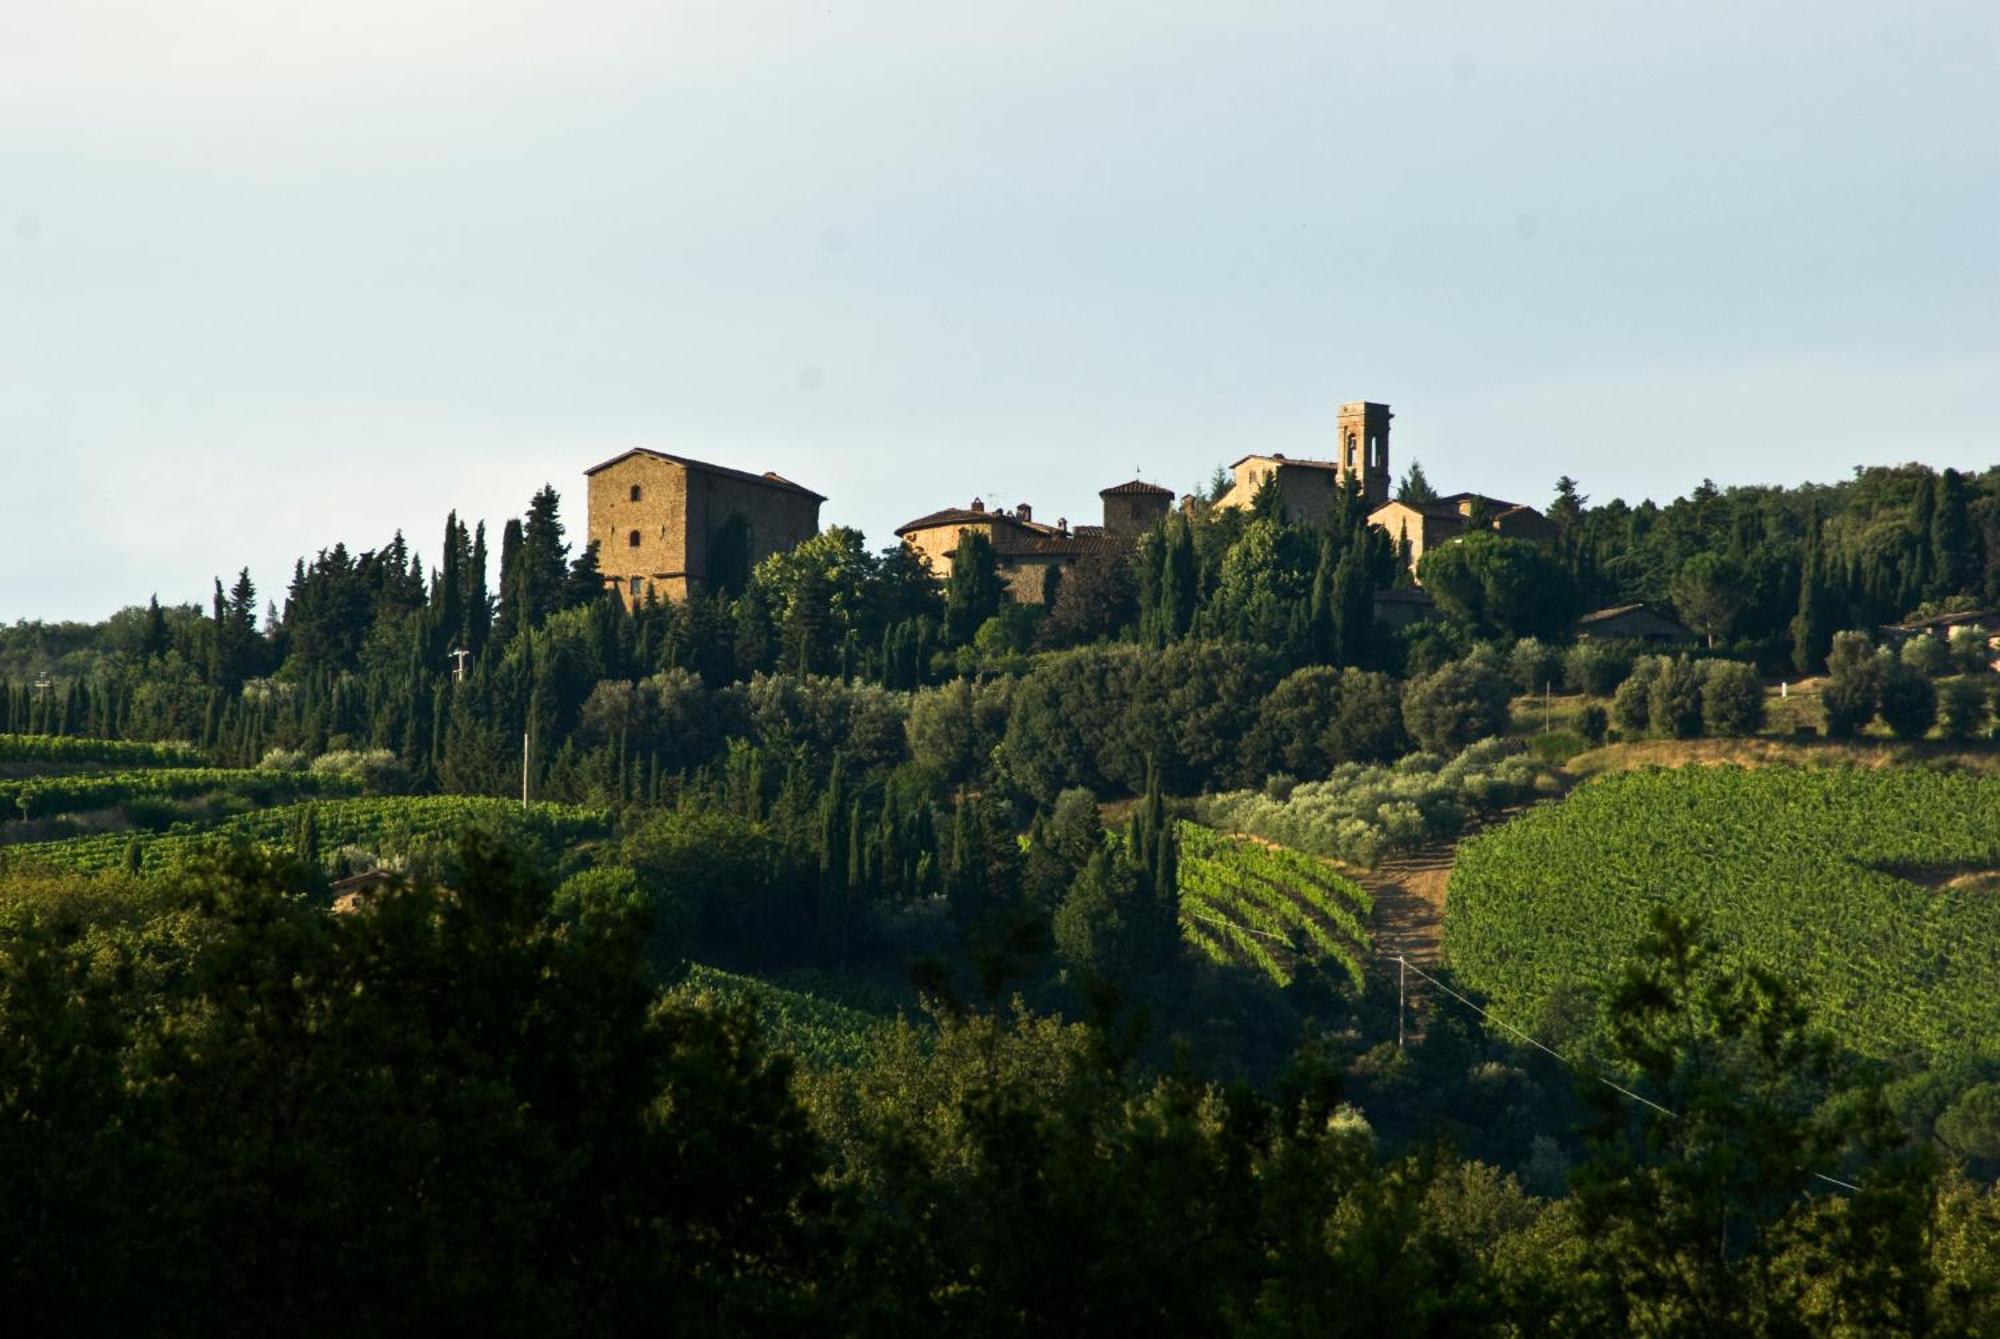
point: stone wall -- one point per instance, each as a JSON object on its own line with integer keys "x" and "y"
{"x": 679, "y": 512}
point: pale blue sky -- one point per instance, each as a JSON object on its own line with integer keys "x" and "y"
{"x": 276, "y": 275}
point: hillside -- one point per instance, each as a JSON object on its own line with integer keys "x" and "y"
{"x": 1845, "y": 881}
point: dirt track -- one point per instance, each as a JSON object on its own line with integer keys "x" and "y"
{"x": 1409, "y": 905}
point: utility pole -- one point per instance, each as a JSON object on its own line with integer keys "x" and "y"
{"x": 524, "y": 769}
{"x": 459, "y": 657}
{"x": 1402, "y": 971}
{"x": 1548, "y": 704}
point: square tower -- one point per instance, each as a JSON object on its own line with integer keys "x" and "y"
{"x": 1364, "y": 447}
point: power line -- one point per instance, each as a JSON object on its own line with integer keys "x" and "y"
{"x": 1572, "y": 1066}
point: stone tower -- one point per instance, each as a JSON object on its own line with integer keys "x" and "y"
{"x": 1364, "y": 447}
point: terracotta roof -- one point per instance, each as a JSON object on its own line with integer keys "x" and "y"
{"x": 1984, "y": 617}
{"x": 1620, "y": 611}
{"x": 1136, "y": 488}
{"x": 1283, "y": 459}
{"x": 768, "y": 479}
{"x": 956, "y": 516}
{"x": 1058, "y": 546}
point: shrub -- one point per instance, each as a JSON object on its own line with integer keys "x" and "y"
{"x": 376, "y": 771}
{"x": 1456, "y": 706}
{"x": 1963, "y": 708}
{"x": 1597, "y": 668}
{"x": 1360, "y": 813}
{"x": 1632, "y": 705}
{"x": 1848, "y": 703}
{"x": 1594, "y": 723}
{"x": 1970, "y": 651}
{"x": 1674, "y": 699}
{"x": 1927, "y": 656}
{"x": 1852, "y": 651}
{"x": 1534, "y": 665}
{"x": 1732, "y": 699}
{"x": 1908, "y": 702}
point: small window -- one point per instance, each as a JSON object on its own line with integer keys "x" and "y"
{"x": 635, "y": 492}
{"x": 632, "y": 540}
{"x": 635, "y": 588}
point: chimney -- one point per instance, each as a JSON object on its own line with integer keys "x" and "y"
{"x": 1025, "y": 512}
{"x": 978, "y": 504}
{"x": 1062, "y": 524}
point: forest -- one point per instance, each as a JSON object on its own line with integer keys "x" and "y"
{"x": 849, "y": 951}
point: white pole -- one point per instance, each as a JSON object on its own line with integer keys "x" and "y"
{"x": 524, "y": 769}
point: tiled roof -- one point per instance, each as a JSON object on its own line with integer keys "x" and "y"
{"x": 1057, "y": 546}
{"x": 1289, "y": 460}
{"x": 1136, "y": 488}
{"x": 1983, "y": 617}
{"x": 1620, "y": 611}
{"x": 767, "y": 479}
{"x": 953, "y": 516}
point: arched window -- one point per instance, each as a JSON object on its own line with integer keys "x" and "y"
{"x": 1350, "y": 450}
{"x": 635, "y": 492}
{"x": 632, "y": 540}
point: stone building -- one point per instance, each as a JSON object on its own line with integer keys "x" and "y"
{"x": 1634, "y": 623}
{"x": 670, "y": 526}
{"x": 1026, "y": 549}
{"x": 1980, "y": 624}
{"x": 1425, "y": 525}
{"x": 1309, "y": 488}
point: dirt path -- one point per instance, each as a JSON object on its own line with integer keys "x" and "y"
{"x": 1409, "y": 905}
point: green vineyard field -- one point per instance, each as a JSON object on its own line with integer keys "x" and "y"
{"x": 366, "y": 823}
{"x": 1863, "y": 888}
{"x": 71, "y": 749}
{"x": 43, "y": 796}
{"x": 1269, "y": 909}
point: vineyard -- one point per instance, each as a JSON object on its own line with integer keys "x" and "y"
{"x": 1862, "y": 888}
{"x": 820, "y": 1033}
{"x": 120, "y": 752}
{"x": 368, "y": 824}
{"x": 1272, "y": 910}
{"x": 45, "y": 796}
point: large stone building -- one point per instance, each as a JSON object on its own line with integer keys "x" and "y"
{"x": 669, "y": 526}
{"x": 1026, "y": 550}
{"x": 1425, "y": 525}
{"x": 1309, "y": 488}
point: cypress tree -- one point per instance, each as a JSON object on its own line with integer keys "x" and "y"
{"x": 973, "y": 593}
{"x": 154, "y": 644}
{"x": 1179, "y": 580}
{"x": 1812, "y": 626}
{"x": 1953, "y": 562}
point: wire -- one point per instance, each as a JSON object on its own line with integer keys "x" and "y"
{"x": 1571, "y": 1065}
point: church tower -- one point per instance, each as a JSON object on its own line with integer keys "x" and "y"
{"x": 1364, "y": 447}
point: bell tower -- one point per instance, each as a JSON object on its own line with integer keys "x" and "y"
{"x": 1364, "y": 448}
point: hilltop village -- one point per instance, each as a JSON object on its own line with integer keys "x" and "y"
{"x": 787, "y": 913}
{"x": 666, "y": 525}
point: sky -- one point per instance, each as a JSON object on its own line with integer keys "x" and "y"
{"x": 276, "y": 276}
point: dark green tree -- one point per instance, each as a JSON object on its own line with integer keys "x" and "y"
{"x": 973, "y": 593}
